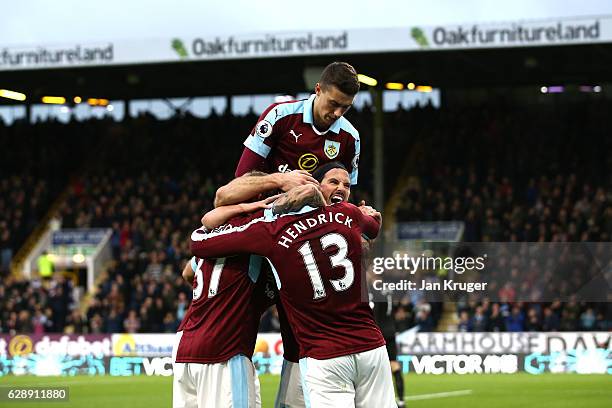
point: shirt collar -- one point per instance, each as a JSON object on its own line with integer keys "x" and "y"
{"x": 309, "y": 117}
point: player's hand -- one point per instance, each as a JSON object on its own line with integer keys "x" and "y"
{"x": 286, "y": 181}
{"x": 259, "y": 205}
{"x": 368, "y": 210}
{"x": 366, "y": 245}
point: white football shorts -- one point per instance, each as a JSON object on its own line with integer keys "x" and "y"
{"x": 231, "y": 384}
{"x": 361, "y": 380}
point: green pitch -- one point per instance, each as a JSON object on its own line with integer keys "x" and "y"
{"x": 473, "y": 391}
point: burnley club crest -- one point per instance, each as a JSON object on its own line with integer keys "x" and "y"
{"x": 331, "y": 149}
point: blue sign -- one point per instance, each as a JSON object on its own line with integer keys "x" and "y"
{"x": 85, "y": 236}
{"x": 430, "y": 231}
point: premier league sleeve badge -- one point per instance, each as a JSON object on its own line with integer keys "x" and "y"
{"x": 263, "y": 129}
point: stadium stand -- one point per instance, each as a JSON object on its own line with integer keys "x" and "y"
{"x": 42, "y": 159}
{"x": 530, "y": 186}
{"x": 151, "y": 180}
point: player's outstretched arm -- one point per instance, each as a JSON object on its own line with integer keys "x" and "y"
{"x": 254, "y": 237}
{"x": 250, "y": 185}
{"x": 245, "y": 188}
{"x": 221, "y": 215}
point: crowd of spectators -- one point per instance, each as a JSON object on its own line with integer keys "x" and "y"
{"x": 36, "y": 164}
{"x": 510, "y": 174}
{"x": 532, "y": 174}
{"x": 23, "y": 201}
{"x": 34, "y": 307}
{"x": 529, "y": 174}
{"x": 484, "y": 315}
{"x": 151, "y": 203}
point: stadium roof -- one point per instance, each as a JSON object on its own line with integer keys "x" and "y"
{"x": 580, "y": 64}
{"x": 154, "y": 49}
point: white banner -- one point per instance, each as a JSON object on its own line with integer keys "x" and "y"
{"x": 565, "y": 31}
{"x": 501, "y": 343}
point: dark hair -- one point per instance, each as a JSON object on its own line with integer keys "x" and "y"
{"x": 342, "y": 75}
{"x": 319, "y": 174}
